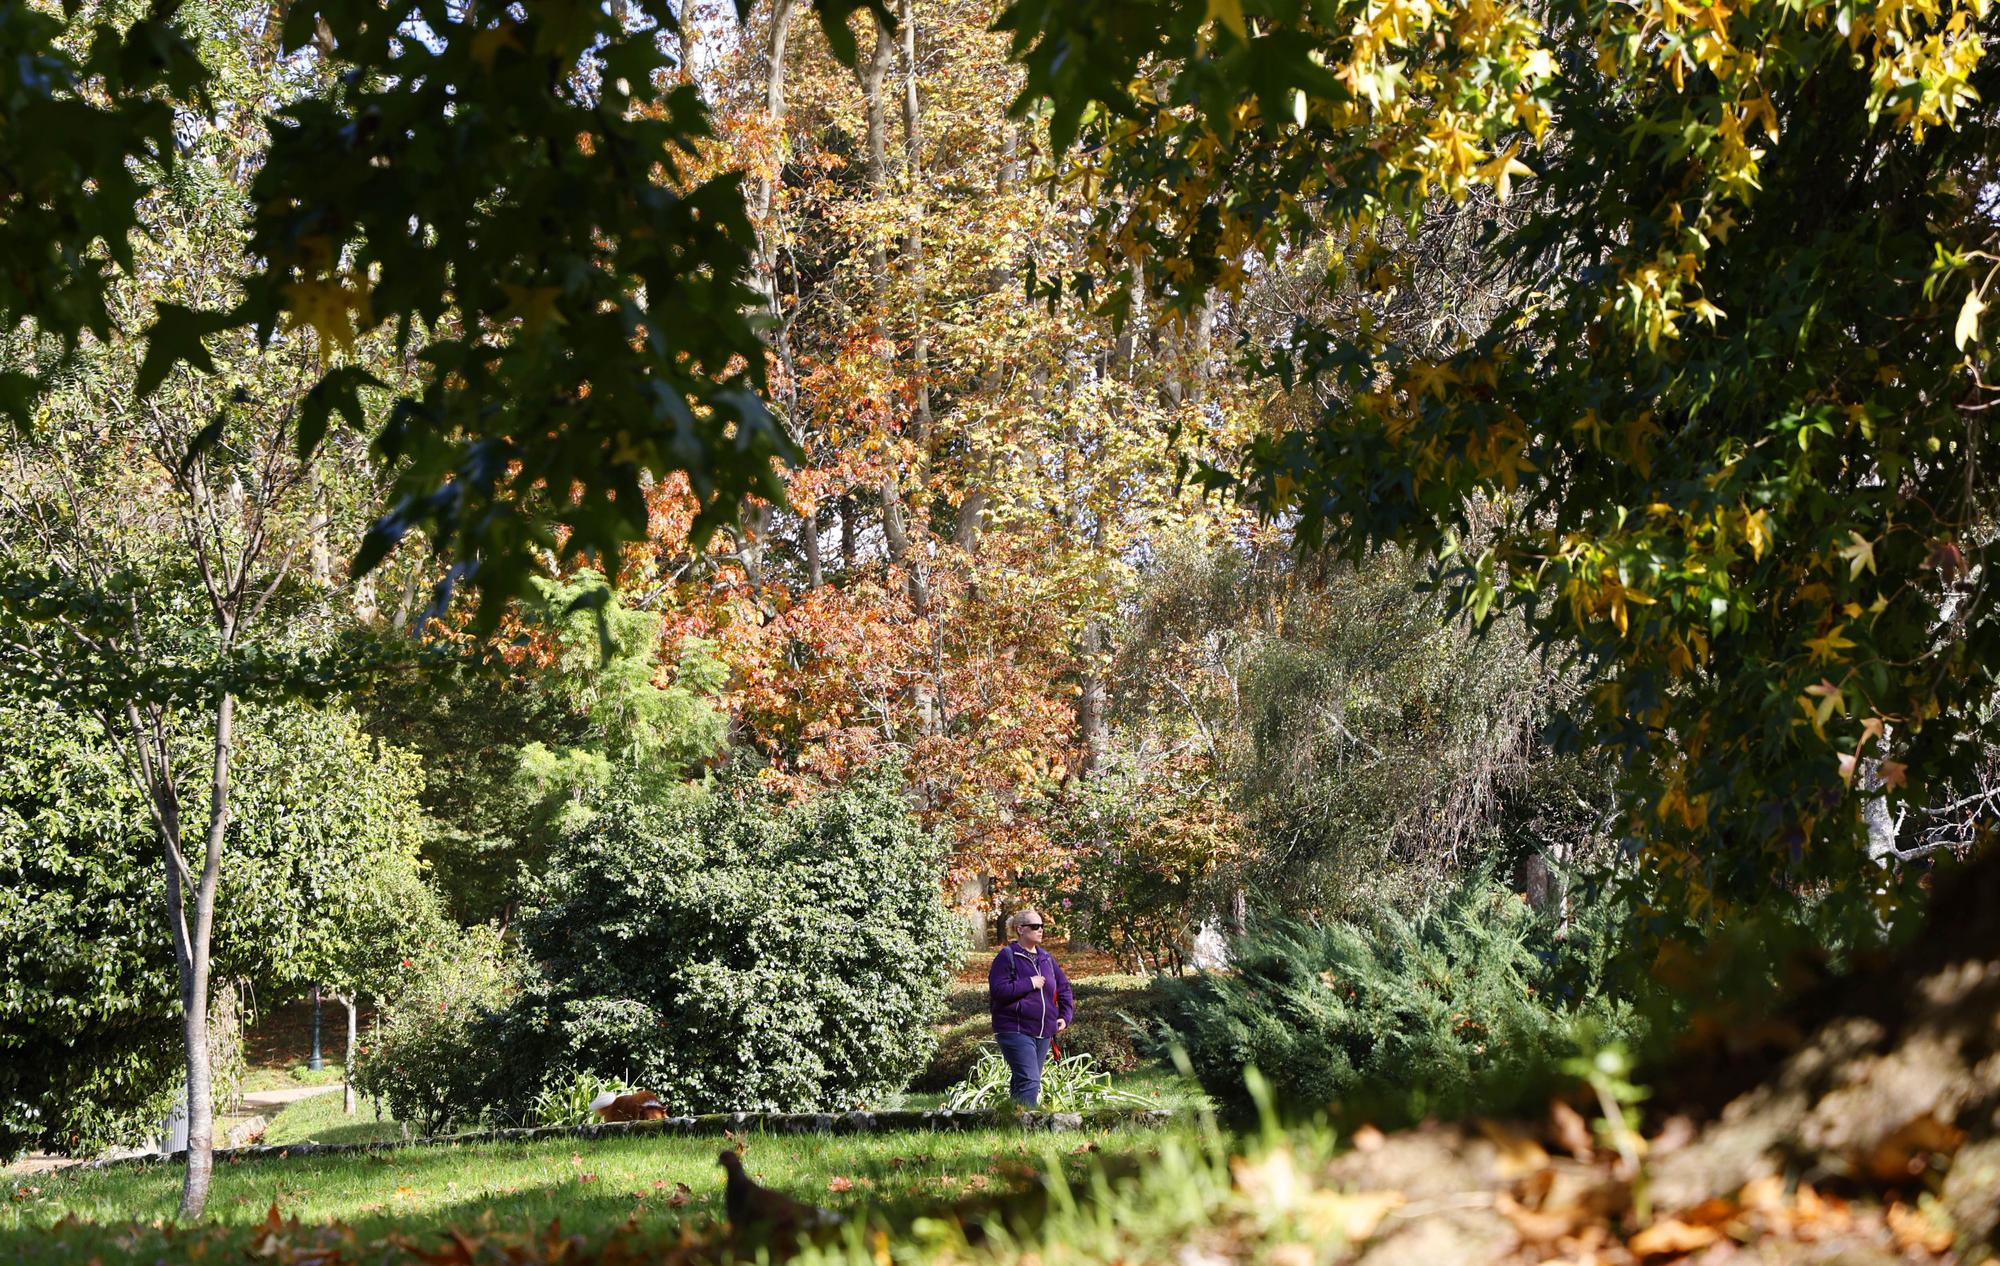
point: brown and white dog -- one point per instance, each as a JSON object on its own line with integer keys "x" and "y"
{"x": 640, "y": 1105}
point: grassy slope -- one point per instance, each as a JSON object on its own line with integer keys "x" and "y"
{"x": 320, "y": 1120}
{"x": 594, "y": 1188}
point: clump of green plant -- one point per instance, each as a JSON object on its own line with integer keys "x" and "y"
{"x": 430, "y": 1053}
{"x": 1470, "y": 1006}
{"x": 752, "y": 955}
{"x": 567, "y": 1102}
{"x": 1073, "y": 1083}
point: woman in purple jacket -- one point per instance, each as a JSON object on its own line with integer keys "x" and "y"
{"x": 1031, "y": 1003}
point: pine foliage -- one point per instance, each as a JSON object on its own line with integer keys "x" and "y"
{"x": 1469, "y": 1006}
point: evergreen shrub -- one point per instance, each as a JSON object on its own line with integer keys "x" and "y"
{"x": 1468, "y": 1007}
{"x": 734, "y": 953}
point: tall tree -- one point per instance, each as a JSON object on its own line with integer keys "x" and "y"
{"x": 510, "y": 189}
{"x": 158, "y": 555}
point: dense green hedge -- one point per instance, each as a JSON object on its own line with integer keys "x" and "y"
{"x": 729, "y": 951}
{"x": 319, "y": 870}
{"x": 1471, "y": 1006}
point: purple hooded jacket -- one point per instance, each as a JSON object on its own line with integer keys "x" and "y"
{"x": 1017, "y": 1006}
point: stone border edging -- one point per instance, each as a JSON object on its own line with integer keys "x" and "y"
{"x": 717, "y": 1124}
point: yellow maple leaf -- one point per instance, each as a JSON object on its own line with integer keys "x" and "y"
{"x": 1431, "y": 377}
{"x": 1757, "y": 531}
{"x": 1967, "y": 329}
{"x": 1827, "y": 646}
{"x": 1502, "y": 169}
{"x": 534, "y": 305}
{"x": 326, "y": 306}
{"x": 1860, "y": 555}
{"x": 1230, "y": 14}
{"x": 1707, "y": 311}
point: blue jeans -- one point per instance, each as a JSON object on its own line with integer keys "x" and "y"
{"x": 1025, "y": 1055}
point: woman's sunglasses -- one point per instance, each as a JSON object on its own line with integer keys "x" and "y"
{"x": 1029, "y": 927}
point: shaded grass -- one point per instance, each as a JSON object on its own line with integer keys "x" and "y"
{"x": 595, "y": 1188}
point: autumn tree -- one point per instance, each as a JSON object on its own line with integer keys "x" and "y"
{"x": 979, "y": 475}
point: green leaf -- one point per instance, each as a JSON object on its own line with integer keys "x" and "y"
{"x": 338, "y": 390}
{"x": 18, "y": 393}
{"x": 174, "y": 336}
{"x": 1230, "y": 14}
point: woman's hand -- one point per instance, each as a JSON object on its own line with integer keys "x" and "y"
{"x": 1037, "y": 980}
{"x": 1061, "y": 1024}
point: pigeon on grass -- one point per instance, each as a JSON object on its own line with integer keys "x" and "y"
{"x": 759, "y": 1213}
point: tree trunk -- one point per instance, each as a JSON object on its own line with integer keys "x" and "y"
{"x": 347, "y": 1060}
{"x": 913, "y": 243}
{"x": 871, "y": 73}
{"x": 192, "y": 957}
{"x": 895, "y": 515}
{"x": 809, "y": 546}
{"x": 1090, "y": 700}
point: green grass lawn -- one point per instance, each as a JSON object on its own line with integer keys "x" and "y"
{"x": 630, "y": 1186}
{"x": 320, "y": 1120}
{"x": 288, "y": 1078}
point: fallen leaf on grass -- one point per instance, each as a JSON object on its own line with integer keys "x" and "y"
{"x": 1763, "y": 1194}
{"x": 1540, "y": 1226}
{"x": 1354, "y": 1217}
{"x": 1519, "y": 1154}
{"x": 586, "y": 1177}
{"x": 1716, "y": 1212}
{"x": 1914, "y": 1229}
{"x": 1671, "y": 1235}
{"x": 683, "y": 1195}
{"x": 1907, "y": 1153}
{"x": 840, "y": 1182}
{"x": 1572, "y": 1132}
{"x": 1271, "y": 1181}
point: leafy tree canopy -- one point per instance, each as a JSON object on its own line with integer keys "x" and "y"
{"x": 507, "y": 189}
{"x": 1725, "y": 438}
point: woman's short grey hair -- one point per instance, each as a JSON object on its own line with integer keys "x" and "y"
{"x": 1014, "y": 919}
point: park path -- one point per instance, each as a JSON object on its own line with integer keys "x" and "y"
{"x": 257, "y": 1110}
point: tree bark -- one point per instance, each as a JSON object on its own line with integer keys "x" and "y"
{"x": 191, "y": 952}
{"x": 913, "y": 242}
{"x": 809, "y": 546}
{"x": 895, "y": 515}
{"x": 1090, "y": 701}
{"x": 347, "y": 1060}
{"x": 871, "y": 73}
